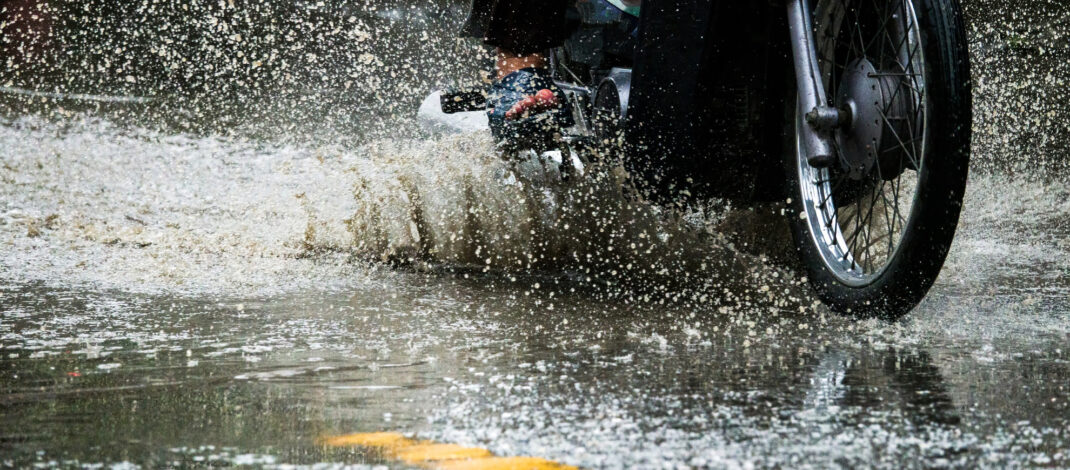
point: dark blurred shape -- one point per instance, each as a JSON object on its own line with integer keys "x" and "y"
{"x": 26, "y": 34}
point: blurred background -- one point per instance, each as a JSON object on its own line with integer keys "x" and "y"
{"x": 345, "y": 70}
{"x": 330, "y": 69}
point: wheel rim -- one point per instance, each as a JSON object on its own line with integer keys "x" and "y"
{"x": 873, "y": 67}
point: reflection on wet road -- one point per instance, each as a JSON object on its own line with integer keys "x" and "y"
{"x": 207, "y": 294}
{"x": 974, "y": 377}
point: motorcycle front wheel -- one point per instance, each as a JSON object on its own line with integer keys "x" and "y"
{"x": 873, "y": 228}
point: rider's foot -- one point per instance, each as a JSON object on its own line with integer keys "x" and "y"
{"x": 527, "y": 110}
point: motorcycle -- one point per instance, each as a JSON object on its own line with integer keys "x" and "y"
{"x": 855, "y": 114}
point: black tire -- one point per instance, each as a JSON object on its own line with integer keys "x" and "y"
{"x": 929, "y": 228}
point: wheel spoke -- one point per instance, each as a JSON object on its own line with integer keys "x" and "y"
{"x": 899, "y": 141}
{"x": 844, "y": 205}
{"x": 889, "y": 221}
{"x": 882, "y": 29}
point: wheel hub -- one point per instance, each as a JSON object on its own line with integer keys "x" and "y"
{"x": 860, "y": 95}
{"x": 878, "y": 124}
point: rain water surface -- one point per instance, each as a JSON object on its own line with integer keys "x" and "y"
{"x": 196, "y": 296}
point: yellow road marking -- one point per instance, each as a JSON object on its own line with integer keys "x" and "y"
{"x": 427, "y": 452}
{"x": 379, "y": 440}
{"x": 503, "y": 463}
{"x": 437, "y": 456}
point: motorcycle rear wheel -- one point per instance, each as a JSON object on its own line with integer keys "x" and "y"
{"x": 874, "y": 229}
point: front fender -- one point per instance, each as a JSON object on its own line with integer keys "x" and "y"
{"x": 707, "y": 99}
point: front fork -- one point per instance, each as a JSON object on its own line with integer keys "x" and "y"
{"x": 815, "y": 135}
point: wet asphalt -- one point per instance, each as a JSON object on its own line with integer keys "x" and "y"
{"x": 142, "y": 331}
{"x": 977, "y": 376}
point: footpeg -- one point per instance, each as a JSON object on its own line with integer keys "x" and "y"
{"x": 820, "y": 161}
{"x": 463, "y": 100}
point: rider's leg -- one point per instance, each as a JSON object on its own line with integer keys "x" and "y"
{"x": 522, "y": 113}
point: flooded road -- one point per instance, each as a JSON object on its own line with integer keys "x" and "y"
{"x": 209, "y": 325}
{"x": 188, "y": 298}
{"x": 977, "y": 376}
